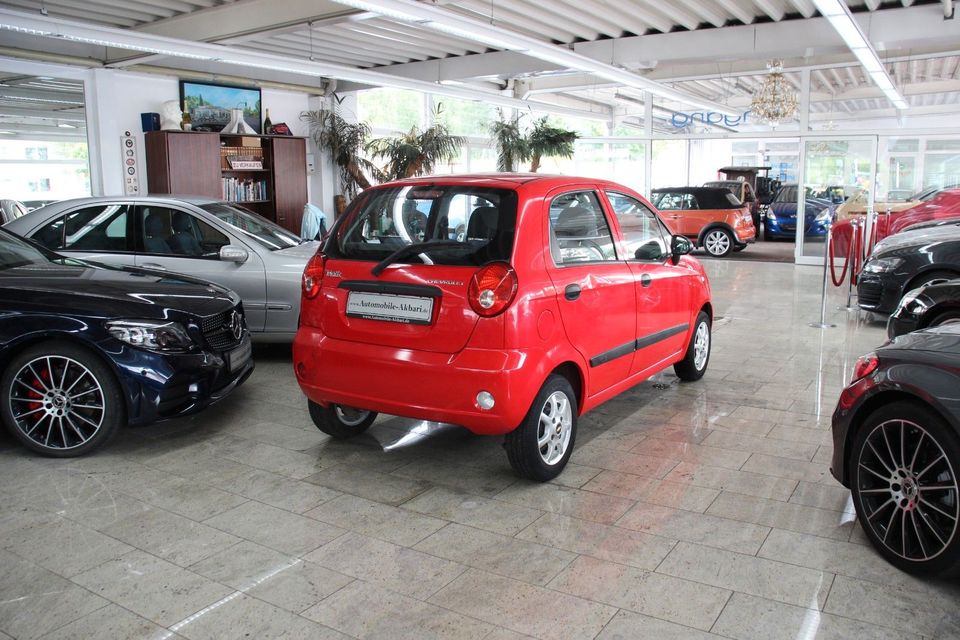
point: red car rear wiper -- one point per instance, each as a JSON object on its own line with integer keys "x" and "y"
{"x": 412, "y": 249}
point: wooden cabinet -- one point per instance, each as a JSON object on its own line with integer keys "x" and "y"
{"x": 196, "y": 163}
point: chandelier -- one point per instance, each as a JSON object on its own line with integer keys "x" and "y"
{"x": 774, "y": 102}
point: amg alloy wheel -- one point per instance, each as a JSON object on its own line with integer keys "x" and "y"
{"x": 903, "y": 475}
{"x": 61, "y": 400}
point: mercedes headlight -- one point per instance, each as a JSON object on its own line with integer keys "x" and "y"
{"x": 882, "y": 265}
{"x": 166, "y": 337}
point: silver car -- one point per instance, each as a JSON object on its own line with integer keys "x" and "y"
{"x": 205, "y": 238}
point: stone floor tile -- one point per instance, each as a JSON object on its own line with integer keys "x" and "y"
{"x": 661, "y": 596}
{"x": 522, "y": 607}
{"x": 372, "y": 485}
{"x": 64, "y": 547}
{"x": 751, "y": 484}
{"x": 388, "y": 565}
{"x": 171, "y": 537}
{"x": 576, "y": 503}
{"x": 275, "y": 528}
{"x": 599, "y": 541}
{"x": 706, "y": 453}
{"x": 783, "y": 515}
{"x": 153, "y": 588}
{"x": 483, "y": 482}
{"x": 34, "y": 601}
{"x": 238, "y": 617}
{"x": 482, "y": 513}
{"x": 679, "y": 495}
{"x": 377, "y": 520}
{"x": 286, "y": 581}
{"x": 111, "y": 623}
{"x": 503, "y": 555}
{"x": 908, "y": 610}
{"x": 627, "y": 625}
{"x": 767, "y": 445}
{"x": 787, "y": 468}
{"x": 601, "y": 458}
{"x": 278, "y": 491}
{"x": 366, "y": 611}
{"x": 694, "y": 527}
{"x": 752, "y": 618}
{"x": 755, "y": 576}
{"x": 834, "y": 497}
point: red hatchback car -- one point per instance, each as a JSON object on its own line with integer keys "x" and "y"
{"x": 508, "y": 304}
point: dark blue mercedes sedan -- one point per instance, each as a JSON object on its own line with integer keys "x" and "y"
{"x": 85, "y": 348}
{"x": 781, "y": 218}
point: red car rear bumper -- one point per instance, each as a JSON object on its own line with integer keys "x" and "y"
{"x": 424, "y": 385}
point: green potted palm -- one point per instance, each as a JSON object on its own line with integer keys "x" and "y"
{"x": 510, "y": 142}
{"x": 546, "y": 140}
{"x": 416, "y": 152}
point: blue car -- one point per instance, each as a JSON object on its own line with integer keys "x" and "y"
{"x": 85, "y": 348}
{"x": 781, "y": 218}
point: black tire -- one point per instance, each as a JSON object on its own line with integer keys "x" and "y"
{"x": 548, "y": 415}
{"x": 718, "y": 242}
{"x": 892, "y": 506}
{"x": 688, "y": 369}
{"x": 767, "y": 236}
{"x": 62, "y": 375}
{"x": 739, "y": 247}
{"x": 340, "y": 422}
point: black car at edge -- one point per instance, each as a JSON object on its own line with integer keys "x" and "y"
{"x": 931, "y": 305}
{"x": 85, "y": 348}
{"x": 907, "y": 261}
{"x": 896, "y": 446}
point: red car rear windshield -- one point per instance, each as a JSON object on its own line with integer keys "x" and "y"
{"x": 474, "y": 224}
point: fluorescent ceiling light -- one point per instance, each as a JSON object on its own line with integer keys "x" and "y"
{"x": 432, "y": 17}
{"x": 26, "y": 22}
{"x": 839, "y": 16}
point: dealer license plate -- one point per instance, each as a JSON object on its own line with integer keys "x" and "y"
{"x": 239, "y": 357}
{"x": 390, "y": 307}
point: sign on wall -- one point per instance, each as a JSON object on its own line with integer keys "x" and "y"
{"x": 131, "y": 165}
{"x": 680, "y": 119}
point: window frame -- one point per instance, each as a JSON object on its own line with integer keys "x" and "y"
{"x": 141, "y": 249}
{"x": 615, "y": 239}
{"x": 129, "y": 238}
{"x": 658, "y": 224}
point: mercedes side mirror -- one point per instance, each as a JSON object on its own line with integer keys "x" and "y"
{"x": 679, "y": 246}
{"x": 233, "y": 253}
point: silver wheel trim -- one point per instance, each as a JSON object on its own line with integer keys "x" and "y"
{"x": 56, "y": 402}
{"x": 716, "y": 243}
{"x": 701, "y": 346}
{"x": 906, "y": 498}
{"x": 350, "y": 416}
{"x": 555, "y": 428}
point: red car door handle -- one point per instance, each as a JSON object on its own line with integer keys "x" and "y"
{"x": 572, "y": 292}
{"x": 646, "y": 280}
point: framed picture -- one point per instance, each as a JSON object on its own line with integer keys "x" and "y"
{"x": 209, "y": 105}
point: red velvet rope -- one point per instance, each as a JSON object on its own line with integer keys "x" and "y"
{"x": 837, "y": 282}
{"x": 857, "y": 255}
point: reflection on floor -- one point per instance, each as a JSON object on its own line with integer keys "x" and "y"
{"x": 695, "y": 510}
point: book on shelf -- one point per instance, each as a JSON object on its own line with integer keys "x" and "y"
{"x": 244, "y": 189}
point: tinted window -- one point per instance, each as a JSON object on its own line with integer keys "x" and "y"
{"x": 674, "y": 201}
{"x": 787, "y": 194}
{"x": 642, "y": 234}
{"x": 480, "y": 221}
{"x": 102, "y": 228}
{"x": 173, "y": 232}
{"x": 260, "y": 230}
{"x": 578, "y": 229}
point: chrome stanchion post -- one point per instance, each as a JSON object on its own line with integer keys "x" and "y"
{"x": 855, "y": 228}
{"x": 823, "y": 291}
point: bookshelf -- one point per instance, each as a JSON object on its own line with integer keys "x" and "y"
{"x": 266, "y": 174}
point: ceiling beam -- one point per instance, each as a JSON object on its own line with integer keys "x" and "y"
{"x": 72, "y": 115}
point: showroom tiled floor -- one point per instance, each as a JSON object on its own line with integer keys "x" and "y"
{"x": 688, "y": 511}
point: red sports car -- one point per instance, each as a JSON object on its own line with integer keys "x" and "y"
{"x": 558, "y": 294}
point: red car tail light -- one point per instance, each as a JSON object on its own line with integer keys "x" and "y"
{"x": 492, "y": 289}
{"x": 313, "y": 275}
{"x": 865, "y": 366}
